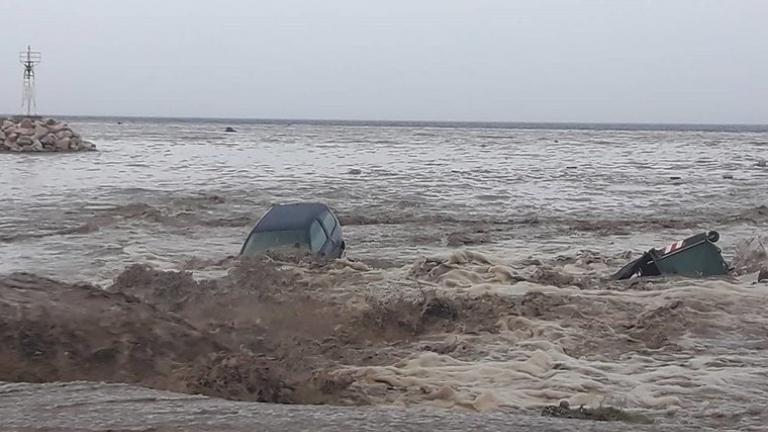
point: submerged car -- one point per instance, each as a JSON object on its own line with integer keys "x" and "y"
{"x": 296, "y": 229}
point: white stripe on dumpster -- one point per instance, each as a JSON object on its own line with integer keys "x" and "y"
{"x": 673, "y": 247}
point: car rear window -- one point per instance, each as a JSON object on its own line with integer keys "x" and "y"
{"x": 260, "y": 242}
{"x": 317, "y": 237}
{"x": 329, "y": 222}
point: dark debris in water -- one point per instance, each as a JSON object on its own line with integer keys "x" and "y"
{"x": 763, "y": 275}
{"x": 596, "y": 414}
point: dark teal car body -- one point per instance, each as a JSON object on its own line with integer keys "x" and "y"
{"x": 304, "y": 228}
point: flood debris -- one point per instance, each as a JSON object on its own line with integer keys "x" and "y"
{"x": 563, "y": 410}
{"x": 762, "y": 276}
{"x": 751, "y": 256}
{"x": 696, "y": 256}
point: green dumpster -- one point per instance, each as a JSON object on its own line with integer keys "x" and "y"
{"x": 696, "y": 256}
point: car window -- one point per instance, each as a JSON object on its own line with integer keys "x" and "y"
{"x": 317, "y": 237}
{"x": 260, "y": 242}
{"x": 329, "y": 222}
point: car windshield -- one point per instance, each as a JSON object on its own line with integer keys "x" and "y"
{"x": 259, "y": 242}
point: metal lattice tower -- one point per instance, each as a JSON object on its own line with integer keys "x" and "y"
{"x": 29, "y": 59}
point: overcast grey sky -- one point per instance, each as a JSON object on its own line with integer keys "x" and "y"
{"x": 692, "y": 61}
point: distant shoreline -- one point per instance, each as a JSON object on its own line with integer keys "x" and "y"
{"x": 432, "y": 124}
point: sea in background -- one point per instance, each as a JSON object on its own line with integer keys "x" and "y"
{"x": 514, "y": 228}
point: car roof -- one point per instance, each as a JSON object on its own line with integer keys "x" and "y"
{"x": 290, "y": 216}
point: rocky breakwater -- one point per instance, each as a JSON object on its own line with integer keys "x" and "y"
{"x": 40, "y": 135}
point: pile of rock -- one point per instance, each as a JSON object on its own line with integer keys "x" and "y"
{"x": 39, "y": 135}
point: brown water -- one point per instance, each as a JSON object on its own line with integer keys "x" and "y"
{"x": 476, "y": 278}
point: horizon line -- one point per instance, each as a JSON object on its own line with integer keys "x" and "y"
{"x": 282, "y": 120}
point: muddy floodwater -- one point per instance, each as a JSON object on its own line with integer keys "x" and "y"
{"x": 475, "y": 294}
